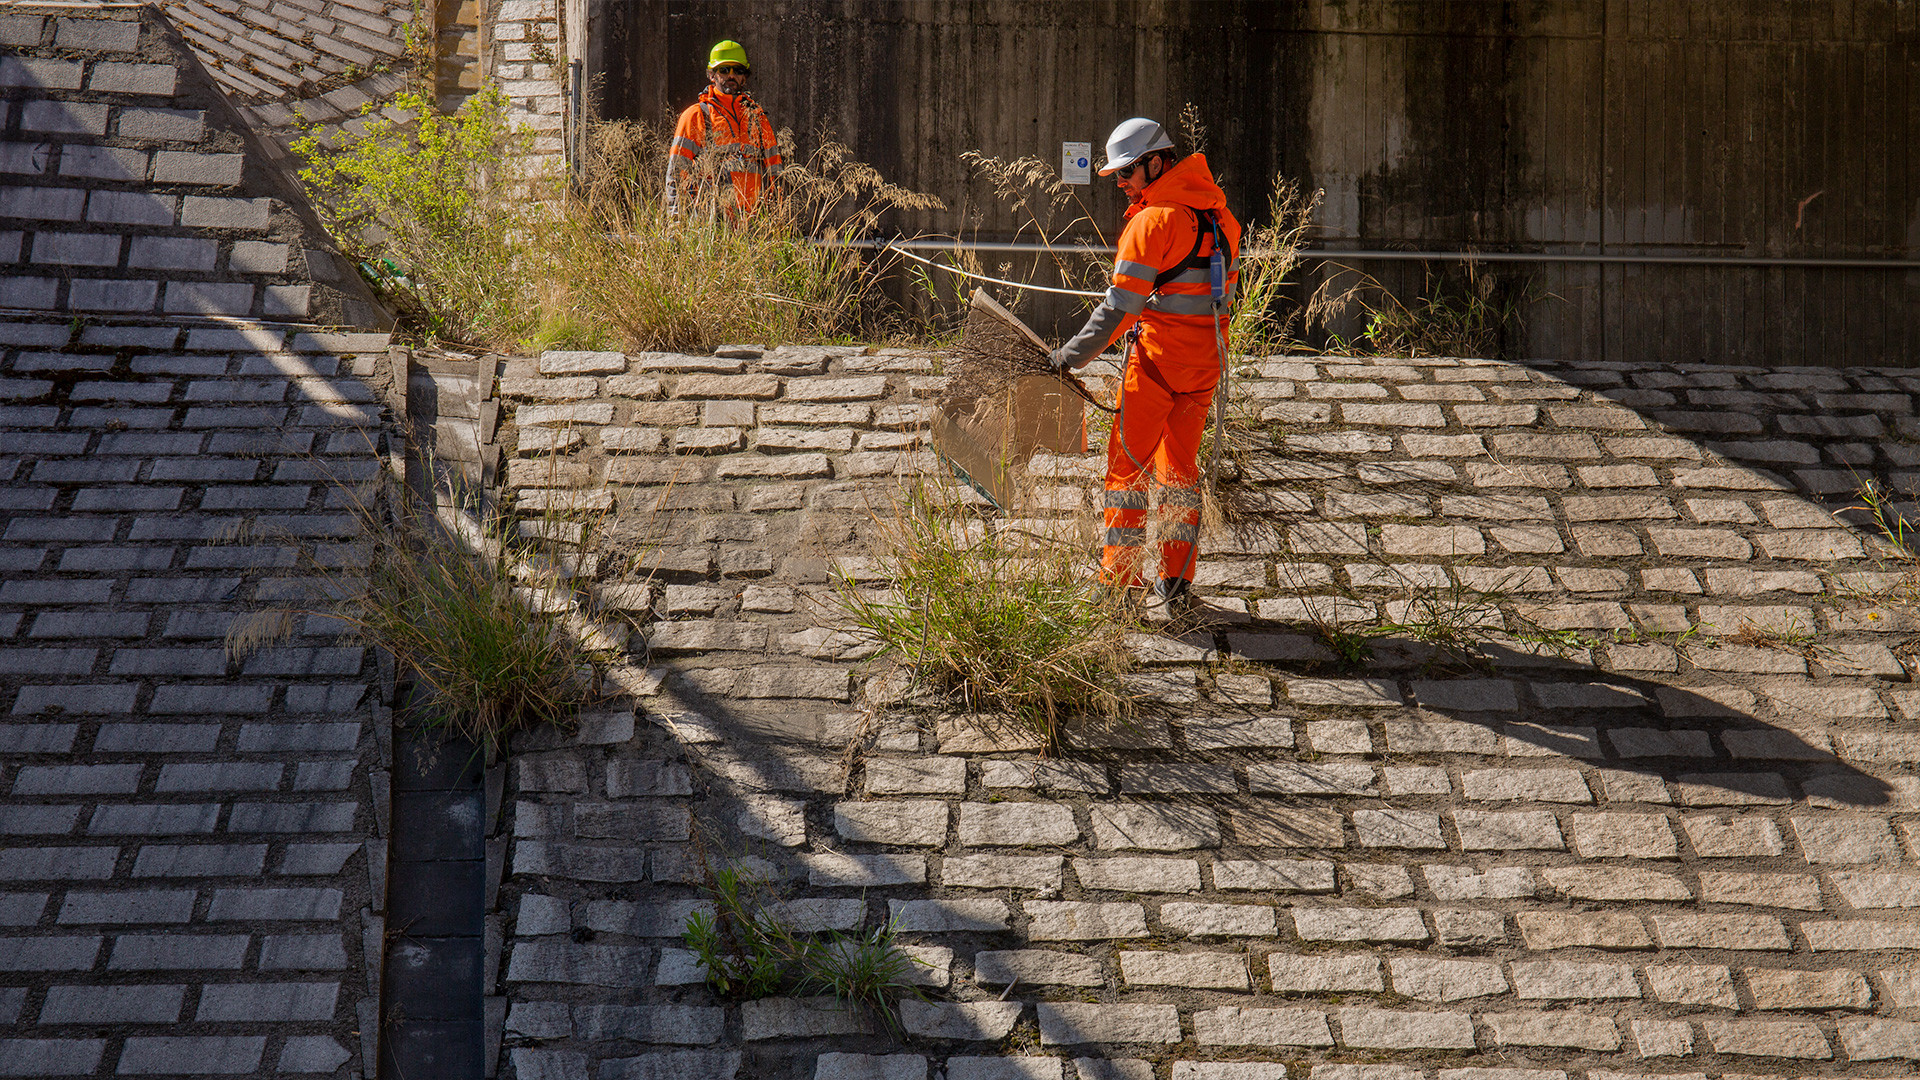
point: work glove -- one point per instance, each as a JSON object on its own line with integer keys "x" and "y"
{"x": 1058, "y": 358}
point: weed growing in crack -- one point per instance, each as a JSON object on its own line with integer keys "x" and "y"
{"x": 1352, "y": 649}
{"x": 1453, "y": 619}
{"x": 1791, "y": 636}
{"x": 743, "y": 948}
{"x": 864, "y": 971}
{"x": 749, "y": 951}
{"x": 1008, "y": 622}
{"x": 1901, "y": 550}
{"x": 457, "y": 603}
{"x": 1563, "y": 643}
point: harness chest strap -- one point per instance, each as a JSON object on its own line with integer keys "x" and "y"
{"x": 1195, "y": 269}
{"x": 1205, "y": 223}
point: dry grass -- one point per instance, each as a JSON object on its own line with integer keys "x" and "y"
{"x": 457, "y": 605}
{"x": 1046, "y": 211}
{"x": 1005, "y": 622}
{"x": 475, "y": 251}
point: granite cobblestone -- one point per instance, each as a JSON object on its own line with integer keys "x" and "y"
{"x": 1521, "y": 855}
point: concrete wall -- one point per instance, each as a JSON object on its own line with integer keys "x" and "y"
{"x": 1631, "y": 127}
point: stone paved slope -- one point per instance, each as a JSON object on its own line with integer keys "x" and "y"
{"x": 1660, "y": 854}
{"x": 270, "y": 51}
{"x": 130, "y": 186}
{"x": 191, "y": 847}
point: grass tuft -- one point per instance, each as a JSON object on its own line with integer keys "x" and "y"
{"x": 455, "y": 604}
{"x": 748, "y": 950}
{"x": 1007, "y": 622}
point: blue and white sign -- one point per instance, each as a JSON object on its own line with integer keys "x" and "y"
{"x": 1076, "y": 162}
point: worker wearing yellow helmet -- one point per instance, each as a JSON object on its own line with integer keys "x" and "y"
{"x": 724, "y": 134}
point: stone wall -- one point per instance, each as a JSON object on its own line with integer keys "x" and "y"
{"x": 526, "y": 58}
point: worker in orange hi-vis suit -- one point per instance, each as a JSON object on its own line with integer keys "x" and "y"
{"x": 1166, "y": 277}
{"x": 728, "y": 119}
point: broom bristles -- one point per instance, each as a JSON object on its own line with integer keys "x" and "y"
{"x": 991, "y": 355}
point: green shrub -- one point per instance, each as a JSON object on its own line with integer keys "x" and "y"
{"x": 422, "y": 200}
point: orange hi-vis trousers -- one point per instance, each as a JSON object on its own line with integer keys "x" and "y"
{"x": 1163, "y": 414}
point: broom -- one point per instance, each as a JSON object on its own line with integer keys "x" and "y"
{"x": 996, "y": 349}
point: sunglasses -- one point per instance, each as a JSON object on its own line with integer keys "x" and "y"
{"x": 1125, "y": 172}
{"x": 730, "y": 69}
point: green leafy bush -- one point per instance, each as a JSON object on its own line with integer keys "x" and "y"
{"x": 420, "y": 197}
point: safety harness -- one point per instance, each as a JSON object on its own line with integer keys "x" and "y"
{"x": 1215, "y": 264}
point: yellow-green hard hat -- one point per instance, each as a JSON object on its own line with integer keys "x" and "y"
{"x": 728, "y": 52}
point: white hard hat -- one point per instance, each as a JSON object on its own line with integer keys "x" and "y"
{"x": 1131, "y": 141}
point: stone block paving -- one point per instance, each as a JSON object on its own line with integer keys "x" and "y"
{"x": 129, "y": 187}
{"x": 261, "y": 51}
{"x": 1682, "y": 845}
{"x": 190, "y": 846}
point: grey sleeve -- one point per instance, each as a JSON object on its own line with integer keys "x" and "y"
{"x": 676, "y": 166}
{"x": 1102, "y": 326}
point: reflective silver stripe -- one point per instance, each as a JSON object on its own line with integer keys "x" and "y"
{"x": 1182, "y": 304}
{"x": 1126, "y": 537}
{"x": 1179, "y": 532}
{"x": 1182, "y": 496}
{"x": 681, "y": 142}
{"x": 1135, "y": 269}
{"x": 1121, "y": 499}
{"x": 1130, "y": 302}
{"x": 1198, "y": 276}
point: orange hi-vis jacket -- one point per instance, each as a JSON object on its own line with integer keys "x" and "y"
{"x": 735, "y": 125}
{"x": 1176, "y": 327}
{"x": 1171, "y": 375}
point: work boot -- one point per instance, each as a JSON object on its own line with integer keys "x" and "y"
{"x": 1122, "y": 598}
{"x": 1171, "y": 601}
